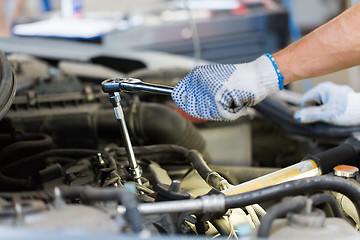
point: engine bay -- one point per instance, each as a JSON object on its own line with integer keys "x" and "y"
{"x": 66, "y": 167}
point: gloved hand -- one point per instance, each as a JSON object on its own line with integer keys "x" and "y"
{"x": 340, "y": 105}
{"x": 222, "y": 92}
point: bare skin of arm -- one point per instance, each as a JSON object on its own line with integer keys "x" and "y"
{"x": 332, "y": 47}
{"x": 4, "y": 29}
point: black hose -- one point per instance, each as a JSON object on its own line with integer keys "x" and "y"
{"x": 342, "y": 154}
{"x": 163, "y": 153}
{"x": 7, "y": 85}
{"x": 148, "y": 124}
{"x": 29, "y": 142}
{"x": 322, "y": 198}
{"x": 6, "y": 138}
{"x": 211, "y": 177}
{"x": 72, "y": 152}
{"x": 121, "y": 195}
{"x": 282, "y": 117}
{"x": 15, "y": 184}
{"x": 151, "y": 124}
{"x": 132, "y": 213}
{"x": 297, "y": 187}
{"x": 199, "y": 164}
{"x": 295, "y": 204}
{"x": 161, "y": 124}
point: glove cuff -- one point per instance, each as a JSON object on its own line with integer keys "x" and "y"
{"x": 270, "y": 79}
{"x": 280, "y": 77}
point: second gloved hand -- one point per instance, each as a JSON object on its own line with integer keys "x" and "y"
{"x": 340, "y": 105}
{"x": 222, "y": 92}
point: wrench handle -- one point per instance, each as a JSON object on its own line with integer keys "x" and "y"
{"x": 132, "y": 84}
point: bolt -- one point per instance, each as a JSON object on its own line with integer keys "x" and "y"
{"x": 175, "y": 186}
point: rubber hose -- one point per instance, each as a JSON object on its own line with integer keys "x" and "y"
{"x": 76, "y": 153}
{"x": 7, "y": 85}
{"x": 199, "y": 164}
{"x": 132, "y": 214}
{"x": 320, "y": 183}
{"x": 342, "y": 154}
{"x": 31, "y": 142}
{"x": 42, "y": 142}
{"x": 6, "y": 138}
{"x": 159, "y": 153}
{"x": 211, "y": 177}
{"x": 178, "y": 154}
{"x": 121, "y": 195}
{"x": 295, "y": 204}
{"x": 160, "y": 124}
{"x": 322, "y": 198}
{"x": 153, "y": 124}
{"x": 9, "y": 183}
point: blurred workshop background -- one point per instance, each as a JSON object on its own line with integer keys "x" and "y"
{"x": 157, "y": 41}
{"x": 224, "y": 31}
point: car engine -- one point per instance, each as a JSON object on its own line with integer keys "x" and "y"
{"x": 70, "y": 166}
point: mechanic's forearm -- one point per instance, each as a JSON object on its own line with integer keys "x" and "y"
{"x": 331, "y": 47}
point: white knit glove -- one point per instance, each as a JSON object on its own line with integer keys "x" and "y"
{"x": 223, "y": 92}
{"x": 340, "y": 105}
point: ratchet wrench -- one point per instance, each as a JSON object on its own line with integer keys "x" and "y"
{"x": 115, "y": 85}
{"x": 133, "y": 84}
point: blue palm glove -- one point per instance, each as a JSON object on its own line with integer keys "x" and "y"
{"x": 223, "y": 92}
{"x": 340, "y": 105}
